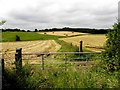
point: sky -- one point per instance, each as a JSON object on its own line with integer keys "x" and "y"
{"x": 41, "y": 14}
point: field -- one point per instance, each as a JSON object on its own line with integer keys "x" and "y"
{"x": 93, "y": 42}
{"x": 63, "y": 33}
{"x": 90, "y": 42}
{"x": 58, "y": 73}
{"x": 49, "y": 43}
{"x": 26, "y": 36}
{"x": 8, "y": 48}
{"x": 31, "y": 46}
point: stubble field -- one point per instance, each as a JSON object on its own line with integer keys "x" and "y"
{"x": 90, "y": 41}
{"x": 62, "y": 33}
{"x": 9, "y": 48}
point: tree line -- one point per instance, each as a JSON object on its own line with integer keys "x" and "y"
{"x": 84, "y": 30}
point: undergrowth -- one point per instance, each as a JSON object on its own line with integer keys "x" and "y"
{"x": 61, "y": 76}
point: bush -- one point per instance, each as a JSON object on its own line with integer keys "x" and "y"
{"x": 17, "y": 38}
{"x": 111, "y": 55}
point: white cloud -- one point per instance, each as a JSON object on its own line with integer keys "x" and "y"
{"x": 31, "y": 14}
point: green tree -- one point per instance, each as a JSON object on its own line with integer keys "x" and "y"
{"x": 36, "y": 30}
{"x": 17, "y": 38}
{"x": 112, "y": 49}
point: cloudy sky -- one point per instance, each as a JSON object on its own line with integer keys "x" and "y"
{"x": 41, "y": 14}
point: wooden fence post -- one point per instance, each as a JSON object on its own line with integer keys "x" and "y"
{"x": 3, "y": 66}
{"x": 18, "y": 58}
{"x": 42, "y": 61}
{"x": 80, "y": 48}
{"x": 2, "y": 73}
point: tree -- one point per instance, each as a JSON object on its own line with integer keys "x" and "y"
{"x": 17, "y": 38}
{"x": 28, "y": 30}
{"x": 112, "y": 49}
{"x": 36, "y": 30}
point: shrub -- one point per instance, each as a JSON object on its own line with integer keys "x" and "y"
{"x": 111, "y": 55}
{"x": 17, "y": 38}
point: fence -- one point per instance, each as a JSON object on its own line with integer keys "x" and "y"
{"x": 19, "y": 56}
{"x": 44, "y": 56}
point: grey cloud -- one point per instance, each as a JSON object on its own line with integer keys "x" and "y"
{"x": 31, "y": 16}
{"x": 50, "y": 14}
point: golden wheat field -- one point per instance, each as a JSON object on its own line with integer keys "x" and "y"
{"x": 62, "y": 33}
{"x": 8, "y": 48}
{"x": 90, "y": 41}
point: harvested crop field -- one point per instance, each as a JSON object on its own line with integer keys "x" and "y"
{"x": 90, "y": 42}
{"x": 62, "y": 33}
{"x": 8, "y": 48}
{"x": 31, "y": 46}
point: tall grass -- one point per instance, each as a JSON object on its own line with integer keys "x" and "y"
{"x": 61, "y": 76}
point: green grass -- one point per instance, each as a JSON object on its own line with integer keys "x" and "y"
{"x": 71, "y": 76}
{"x": 26, "y": 36}
{"x": 66, "y": 47}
